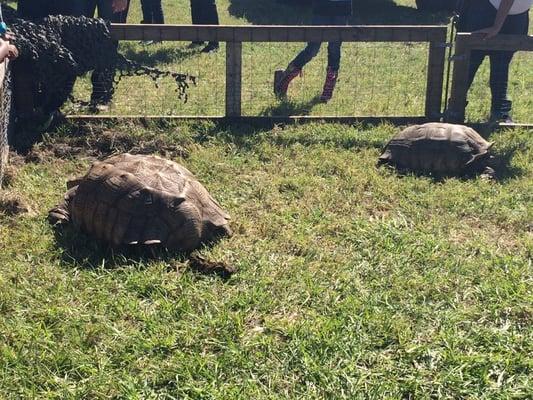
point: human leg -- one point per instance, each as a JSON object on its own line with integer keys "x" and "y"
{"x": 146, "y": 7}
{"x": 196, "y": 16}
{"x": 334, "y": 60}
{"x": 283, "y": 79}
{"x": 121, "y": 17}
{"x": 282, "y": 82}
{"x": 102, "y": 80}
{"x": 158, "y": 16}
{"x": 210, "y": 17}
{"x": 500, "y": 62}
{"x": 499, "y": 82}
{"x": 33, "y": 9}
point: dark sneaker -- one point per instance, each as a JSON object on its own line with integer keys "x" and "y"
{"x": 195, "y": 44}
{"x": 211, "y": 47}
{"x": 98, "y": 108}
{"x": 501, "y": 118}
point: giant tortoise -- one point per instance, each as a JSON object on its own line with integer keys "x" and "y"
{"x": 439, "y": 149}
{"x": 139, "y": 199}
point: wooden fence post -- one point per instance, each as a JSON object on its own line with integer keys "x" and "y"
{"x": 435, "y": 78}
{"x": 233, "y": 78}
{"x": 457, "y": 104}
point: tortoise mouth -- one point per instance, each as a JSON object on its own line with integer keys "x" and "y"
{"x": 216, "y": 233}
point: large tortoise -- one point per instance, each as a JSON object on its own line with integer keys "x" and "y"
{"x": 440, "y": 149}
{"x": 139, "y": 199}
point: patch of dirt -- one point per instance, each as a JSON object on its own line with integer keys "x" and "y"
{"x": 110, "y": 142}
{"x": 42, "y": 153}
{"x": 100, "y": 145}
{"x": 10, "y": 173}
{"x": 199, "y": 264}
{"x": 15, "y": 159}
{"x": 11, "y": 204}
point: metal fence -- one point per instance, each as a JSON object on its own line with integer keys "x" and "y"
{"x": 6, "y": 116}
{"x": 387, "y": 72}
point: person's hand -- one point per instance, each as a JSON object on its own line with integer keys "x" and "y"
{"x": 488, "y": 32}
{"x": 13, "y": 52}
{"x": 4, "y": 50}
{"x": 119, "y": 5}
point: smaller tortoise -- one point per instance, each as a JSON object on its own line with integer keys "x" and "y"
{"x": 439, "y": 149}
{"x": 138, "y": 199}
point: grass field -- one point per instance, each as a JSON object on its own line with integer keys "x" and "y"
{"x": 375, "y": 79}
{"x": 352, "y": 282}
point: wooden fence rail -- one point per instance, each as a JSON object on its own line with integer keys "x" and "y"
{"x": 234, "y": 36}
{"x": 465, "y": 43}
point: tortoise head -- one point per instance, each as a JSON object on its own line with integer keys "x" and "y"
{"x": 482, "y": 160}
{"x": 214, "y": 230}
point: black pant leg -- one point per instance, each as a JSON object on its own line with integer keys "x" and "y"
{"x": 102, "y": 80}
{"x": 500, "y": 62}
{"x": 157, "y": 12}
{"x": 146, "y": 7}
{"x": 33, "y": 9}
{"x": 122, "y": 16}
{"x": 210, "y": 13}
{"x": 476, "y": 58}
{"x": 90, "y": 8}
{"x": 196, "y": 12}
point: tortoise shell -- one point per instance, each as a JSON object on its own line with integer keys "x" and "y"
{"x": 138, "y": 199}
{"x": 437, "y": 148}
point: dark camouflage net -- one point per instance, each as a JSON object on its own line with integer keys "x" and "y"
{"x": 58, "y": 49}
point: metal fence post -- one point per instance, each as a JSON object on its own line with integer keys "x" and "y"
{"x": 233, "y": 78}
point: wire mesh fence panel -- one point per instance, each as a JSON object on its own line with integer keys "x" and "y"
{"x": 139, "y": 95}
{"x": 375, "y": 79}
{"x": 6, "y": 116}
{"x": 520, "y": 90}
{"x": 385, "y": 71}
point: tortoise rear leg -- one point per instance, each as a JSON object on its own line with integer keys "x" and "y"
{"x": 60, "y": 214}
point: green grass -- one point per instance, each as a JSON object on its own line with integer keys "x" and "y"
{"x": 376, "y": 79}
{"x": 352, "y": 282}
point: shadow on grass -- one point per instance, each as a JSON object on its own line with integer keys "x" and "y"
{"x": 82, "y": 251}
{"x": 79, "y": 249}
{"x": 298, "y": 12}
{"x": 270, "y": 12}
{"x": 157, "y": 55}
{"x": 288, "y": 108}
{"x": 247, "y": 136}
{"x": 387, "y": 12}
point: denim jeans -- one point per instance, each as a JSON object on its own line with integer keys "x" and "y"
{"x": 152, "y": 12}
{"x": 312, "y": 48}
{"x": 479, "y": 14}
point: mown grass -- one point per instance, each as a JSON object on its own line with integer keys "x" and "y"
{"x": 376, "y": 79}
{"x": 352, "y": 282}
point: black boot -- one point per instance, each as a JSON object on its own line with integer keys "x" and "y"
{"x": 502, "y": 112}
